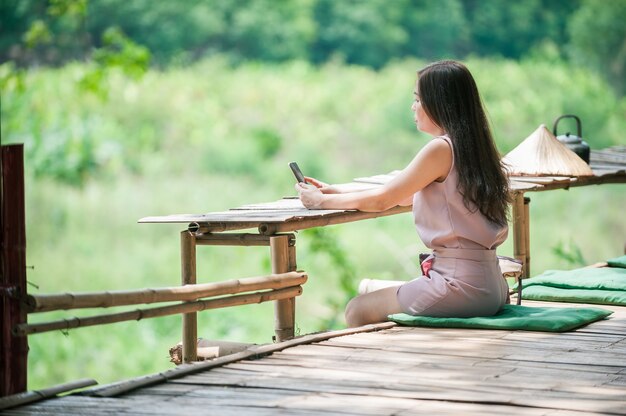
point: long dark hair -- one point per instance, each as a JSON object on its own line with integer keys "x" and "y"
{"x": 449, "y": 96}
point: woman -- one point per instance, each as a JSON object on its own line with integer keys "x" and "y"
{"x": 460, "y": 197}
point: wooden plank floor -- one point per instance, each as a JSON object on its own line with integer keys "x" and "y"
{"x": 399, "y": 371}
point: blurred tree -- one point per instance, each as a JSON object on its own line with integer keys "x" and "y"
{"x": 63, "y": 148}
{"x": 369, "y": 33}
{"x": 189, "y": 29}
{"x": 271, "y": 30}
{"x": 15, "y": 19}
{"x": 180, "y": 30}
{"x": 436, "y": 29}
{"x": 117, "y": 52}
{"x": 598, "y": 38}
{"x": 511, "y": 29}
{"x": 36, "y": 32}
{"x": 366, "y": 33}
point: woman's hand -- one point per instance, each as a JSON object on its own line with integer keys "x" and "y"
{"x": 323, "y": 187}
{"x": 311, "y": 196}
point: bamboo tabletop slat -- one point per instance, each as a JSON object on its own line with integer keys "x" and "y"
{"x": 608, "y": 166}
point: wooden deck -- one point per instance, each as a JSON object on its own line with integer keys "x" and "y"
{"x": 397, "y": 371}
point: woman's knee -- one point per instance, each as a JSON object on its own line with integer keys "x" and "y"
{"x": 351, "y": 313}
{"x": 372, "y": 307}
{"x": 357, "y": 313}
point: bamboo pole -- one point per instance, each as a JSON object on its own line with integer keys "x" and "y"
{"x": 37, "y": 395}
{"x": 519, "y": 227}
{"x": 270, "y": 228}
{"x": 188, "y": 277}
{"x": 138, "y": 314}
{"x": 291, "y": 251}
{"x": 210, "y": 227}
{"x": 223, "y": 239}
{"x": 13, "y": 350}
{"x": 284, "y": 310}
{"x": 234, "y": 239}
{"x": 47, "y": 303}
{"x": 209, "y": 349}
{"x": 527, "y": 237}
{"x": 616, "y": 176}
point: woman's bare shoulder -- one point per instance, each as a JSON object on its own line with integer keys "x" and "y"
{"x": 438, "y": 146}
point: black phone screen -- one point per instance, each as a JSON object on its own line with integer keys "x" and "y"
{"x": 297, "y": 172}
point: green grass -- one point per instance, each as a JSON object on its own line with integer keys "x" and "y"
{"x": 211, "y": 137}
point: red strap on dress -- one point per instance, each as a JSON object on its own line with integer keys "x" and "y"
{"x": 427, "y": 265}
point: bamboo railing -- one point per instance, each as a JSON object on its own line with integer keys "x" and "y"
{"x": 192, "y": 298}
{"x": 46, "y": 303}
{"x": 281, "y": 286}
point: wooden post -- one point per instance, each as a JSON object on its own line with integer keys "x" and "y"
{"x": 188, "y": 277}
{"x": 519, "y": 231}
{"x": 14, "y": 354}
{"x": 283, "y": 260}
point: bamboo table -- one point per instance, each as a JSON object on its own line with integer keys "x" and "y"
{"x": 275, "y": 222}
{"x": 608, "y": 166}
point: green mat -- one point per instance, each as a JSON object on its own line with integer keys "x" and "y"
{"x": 556, "y": 294}
{"x": 617, "y": 262}
{"x": 514, "y": 317}
{"x": 602, "y": 285}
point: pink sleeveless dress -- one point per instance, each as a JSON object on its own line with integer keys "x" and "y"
{"x": 464, "y": 279}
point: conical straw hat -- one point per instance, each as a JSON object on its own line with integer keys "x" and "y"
{"x": 541, "y": 154}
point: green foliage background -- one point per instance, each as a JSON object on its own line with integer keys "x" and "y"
{"x": 371, "y": 33}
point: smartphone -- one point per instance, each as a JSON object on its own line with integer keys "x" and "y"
{"x": 297, "y": 172}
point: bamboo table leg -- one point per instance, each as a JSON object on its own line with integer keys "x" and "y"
{"x": 520, "y": 248}
{"x": 188, "y": 276}
{"x": 527, "y": 236}
{"x": 283, "y": 260}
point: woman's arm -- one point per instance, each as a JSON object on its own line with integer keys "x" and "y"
{"x": 432, "y": 163}
{"x": 330, "y": 189}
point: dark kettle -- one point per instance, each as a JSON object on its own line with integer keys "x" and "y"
{"x": 574, "y": 143}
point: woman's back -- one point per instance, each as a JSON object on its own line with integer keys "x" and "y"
{"x": 443, "y": 220}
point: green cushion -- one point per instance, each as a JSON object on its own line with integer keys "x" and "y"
{"x": 557, "y": 294}
{"x": 514, "y": 317}
{"x": 607, "y": 278}
{"x": 601, "y": 285}
{"x": 617, "y": 262}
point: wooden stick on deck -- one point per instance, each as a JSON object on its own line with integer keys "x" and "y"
{"x": 284, "y": 310}
{"x": 36, "y": 395}
{"x": 188, "y": 277}
{"x": 254, "y": 352}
